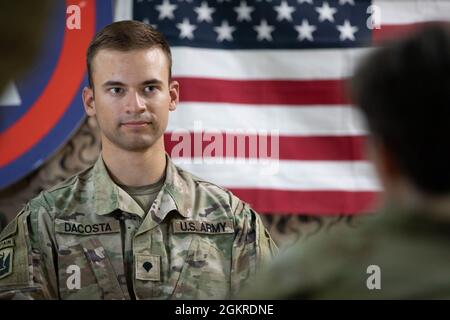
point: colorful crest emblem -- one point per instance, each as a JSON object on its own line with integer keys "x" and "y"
{"x": 39, "y": 113}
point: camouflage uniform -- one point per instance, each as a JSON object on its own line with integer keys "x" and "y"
{"x": 408, "y": 252}
{"x": 88, "y": 239}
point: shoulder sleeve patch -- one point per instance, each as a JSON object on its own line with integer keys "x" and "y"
{"x": 14, "y": 259}
{"x": 6, "y": 262}
{"x": 7, "y": 243}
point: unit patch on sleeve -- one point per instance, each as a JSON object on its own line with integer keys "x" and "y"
{"x": 6, "y": 262}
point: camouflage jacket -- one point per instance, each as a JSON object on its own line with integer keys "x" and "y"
{"x": 86, "y": 238}
{"x": 395, "y": 254}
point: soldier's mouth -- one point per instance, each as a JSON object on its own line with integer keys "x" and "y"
{"x": 135, "y": 124}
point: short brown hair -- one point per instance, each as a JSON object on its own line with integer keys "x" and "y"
{"x": 126, "y": 36}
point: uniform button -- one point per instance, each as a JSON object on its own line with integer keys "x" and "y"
{"x": 147, "y": 266}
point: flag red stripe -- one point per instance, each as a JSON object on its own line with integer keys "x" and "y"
{"x": 392, "y": 31}
{"x": 308, "y": 202}
{"x": 345, "y": 148}
{"x": 263, "y": 92}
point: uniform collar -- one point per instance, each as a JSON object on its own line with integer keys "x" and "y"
{"x": 174, "y": 194}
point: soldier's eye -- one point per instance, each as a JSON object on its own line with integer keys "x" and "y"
{"x": 116, "y": 90}
{"x": 149, "y": 89}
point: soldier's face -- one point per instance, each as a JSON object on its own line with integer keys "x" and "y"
{"x": 131, "y": 98}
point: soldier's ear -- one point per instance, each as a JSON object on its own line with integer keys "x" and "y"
{"x": 88, "y": 101}
{"x": 174, "y": 90}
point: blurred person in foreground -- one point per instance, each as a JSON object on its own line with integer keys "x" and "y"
{"x": 403, "y": 90}
{"x": 134, "y": 225}
{"x": 22, "y": 26}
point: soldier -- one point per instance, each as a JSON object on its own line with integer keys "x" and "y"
{"x": 404, "y": 91}
{"x": 133, "y": 226}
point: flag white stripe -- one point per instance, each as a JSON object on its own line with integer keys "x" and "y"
{"x": 284, "y": 174}
{"x": 313, "y": 64}
{"x": 292, "y": 120}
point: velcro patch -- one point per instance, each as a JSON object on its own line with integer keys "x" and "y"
{"x": 7, "y": 243}
{"x": 148, "y": 267}
{"x": 208, "y": 227}
{"x": 86, "y": 229}
{"x": 6, "y": 262}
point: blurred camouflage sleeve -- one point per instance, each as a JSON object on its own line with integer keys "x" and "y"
{"x": 27, "y": 269}
{"x": 253, "y": 247}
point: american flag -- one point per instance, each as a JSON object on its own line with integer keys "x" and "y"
{"x": 277, "y": 66}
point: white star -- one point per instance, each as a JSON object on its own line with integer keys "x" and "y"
{"x": 347, "y": 31}
{"x": 305, "y": 1}
{"x": 284, "y": 11}
{"x": 204, "y": 12}
{"x": 166, "y": 10}
{"x": 350, "y": 2}
{"x": 243, "y": 12}
{"x": 264, "y": 31}
{"x": 325, "y": 12}
{"x": 224, "y": 31}
{"x": 186, "y": 29}
{"x": 305, "y": 31}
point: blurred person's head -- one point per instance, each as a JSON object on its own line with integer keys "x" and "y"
{"x": 403, "y": 89}
{"x": 22, "y": 25}
{"x": 130, "y": 89}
